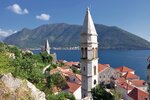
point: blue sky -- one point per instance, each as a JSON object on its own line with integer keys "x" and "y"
{"x": 131, "y": 15}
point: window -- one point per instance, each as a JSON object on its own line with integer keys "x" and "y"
{"x": 104, "y": 76}
{"x": 94, "y": 81}
{"x": 84, "y": 95}
{"x": 85, "y": 53}
{"x": 84, "y": 68}
{"x": 94, "y": 70}
{"x": 93, "y": 53}
{"x": 82, "y": 51}
{"x": 96, "y": 52}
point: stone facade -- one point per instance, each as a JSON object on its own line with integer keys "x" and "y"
{"x": 106, "y": 75}
{"x": 89, "y": 56}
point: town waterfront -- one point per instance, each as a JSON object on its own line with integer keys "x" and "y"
{"x": 134, "y": 59}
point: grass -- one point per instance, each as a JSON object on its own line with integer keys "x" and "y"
{"x": 5, "y": 66}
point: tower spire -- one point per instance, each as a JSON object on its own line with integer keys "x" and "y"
{"x": 89, "y": 55}
{"x": 47, "y": 47}
{"x": 88, "y": 25}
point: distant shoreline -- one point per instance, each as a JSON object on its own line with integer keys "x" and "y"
{"x": 79, "y": 49}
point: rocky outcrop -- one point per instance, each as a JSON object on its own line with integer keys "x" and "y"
{"x": 11, "y": 82}
{"x": 36, "y": 93}
{"x": 13, "y": 88}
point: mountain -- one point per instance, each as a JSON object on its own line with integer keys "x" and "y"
{"x": 2, "y": 38}
{"x": 65, "y": 35}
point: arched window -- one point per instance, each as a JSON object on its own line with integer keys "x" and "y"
{"x": 85, "y": 53}
{"x": 94, "y": 70}
{"x": 93, "y": 53}
{"x": 94, "y": 81}
{"x": 96, "y": 52}
{"x": 82, "y": 51}
{"x": 84, "y": 68}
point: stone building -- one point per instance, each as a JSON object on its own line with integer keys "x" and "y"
{"x": 106, "y": 73}
{"x": 46, "y": 47}
{"x": 89, "y": 55}
{"x": 148, "y": 76}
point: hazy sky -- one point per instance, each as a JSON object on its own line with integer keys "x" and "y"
{"x": 131, "y": 15}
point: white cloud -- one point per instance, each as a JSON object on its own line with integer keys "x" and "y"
{"x": 6, "y": 33}
{"x": 43, "y": 17}
{"x": 17, "y": 9}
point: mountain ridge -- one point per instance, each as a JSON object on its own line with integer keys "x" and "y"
{"x": 67, "y": 35}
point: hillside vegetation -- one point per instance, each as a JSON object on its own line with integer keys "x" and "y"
{"x": 65, "y": 35}
{"x": 28, "y": 66}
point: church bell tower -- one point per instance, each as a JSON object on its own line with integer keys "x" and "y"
{"x": 47, "y": 47}
{"x": 89, "y": 55}
{"x": 148, "y": 76}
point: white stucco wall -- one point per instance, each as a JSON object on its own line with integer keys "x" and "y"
{"x": 77, "y": 93}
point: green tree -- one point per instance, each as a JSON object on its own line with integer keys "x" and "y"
{"x": 2, "y": 47}
{"x": 5, "y": 65}
{"x": 14, "y": 50}
{"x": 75, "y": 70}
{"x": 99, "y": 93}
{"x": 46, "y": 58}
{"x": 57, "y": 80}
{"x": 61, "y": 96}
{"x": 117, "y": 94}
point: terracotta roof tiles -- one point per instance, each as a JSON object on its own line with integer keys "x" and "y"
{"x": 101, "y": 67}
{"x": 129, "y": 75}
{"x": 138, "y": 94}
{"x": 124, "y": 69}
{"x": 72, "y": 86}
{"x": 138, "y": 83}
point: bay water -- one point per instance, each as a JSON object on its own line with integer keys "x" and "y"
{"x": 134, "y": 59}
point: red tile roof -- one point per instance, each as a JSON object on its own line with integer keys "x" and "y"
{"x": 124, "y": 69}
{"x": 138, "y": 83}
{"x": 78, "y": 76}
{"x": 72, "y": 86}
{"x": 120, "y": 80}
{"x": 54, "y": 71}
{"x": 101, "y": 67}
{"x": 138, "y": 94}
{"x": 71, "y": 63}
{"x": 125, "y": 85}
{"x": 69, "y": 73}
{"x": 60, "y": 69}
{"x": 129, "y": 75}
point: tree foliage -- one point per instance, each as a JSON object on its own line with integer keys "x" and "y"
{"x": 99, "y": 93}
{"x": 5, "y": 65}
{"x": 61, "y": 96}
{"x": 30, "y": 67}
{"x": 46, "y": 58}
{"x": 57, "y": 80}
{"x": 75, "y": 70}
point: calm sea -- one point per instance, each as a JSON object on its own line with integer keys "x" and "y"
{"x": 134, "y": 59}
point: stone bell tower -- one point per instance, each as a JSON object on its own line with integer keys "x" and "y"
{"x": 148, "y": 76}
{"x": 89, "y": 55}
{"x": 47, "y": 47}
